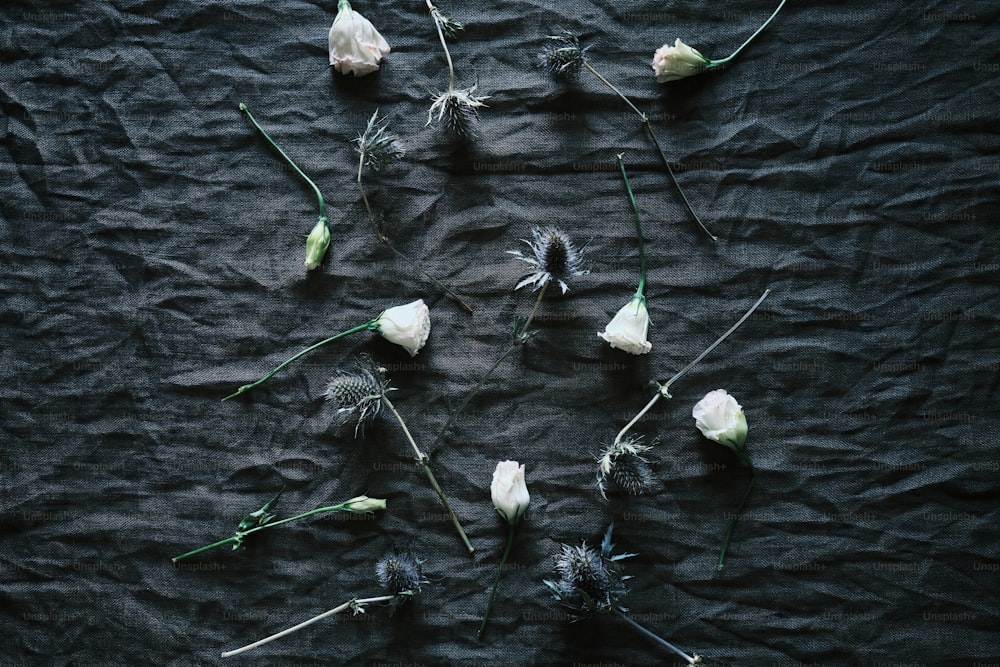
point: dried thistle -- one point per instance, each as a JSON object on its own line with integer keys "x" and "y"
{"x": 377, "y": 146}
{"x": 457, "y": 110}
{"x": 555, "y": 257}
{"x": 562, "y": 55}
{"x": 623, "y": 462}
{"x": 359, "y": 393}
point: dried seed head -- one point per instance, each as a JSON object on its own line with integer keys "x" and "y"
{"x": 555, "y": 258}
{"x": 562, "y": 55}
{"x": 359, "y": 392}
{"x": 399, "y": 572}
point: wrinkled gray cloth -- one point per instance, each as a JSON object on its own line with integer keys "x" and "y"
{"x": 152, "y": 262}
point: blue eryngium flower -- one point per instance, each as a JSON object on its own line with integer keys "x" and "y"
{"x": 554, "y": 257}
{"x": 591, "y": 581}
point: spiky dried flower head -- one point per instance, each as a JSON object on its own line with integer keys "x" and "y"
{"x": 582, "y": 570}
{"x": 562, "y": 55}
{"x": 623, "y": 462}
{"x": 457, "y": 110}
{"x": 358, "y": 392}
{"x": 589, "y": 580}
{"x": 554, "y": 257}
{"x": 399, "y": 572}
{"x": 377, "y": 146}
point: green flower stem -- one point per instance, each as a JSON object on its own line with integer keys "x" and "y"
{"x": 656, "y": 143}
{"x": 519, "y": 340}
{"x": 511, "y": 529}
{"x": 717, "y": 63}
{"x": 423, "y": 461}
{"x": 662, "y": 642}
{"x": 350, "y": 604}
{"x": 436, "y": 15}
{"x": 239, "y": 537}
{"x": 664, "y": 389}
{"x": 641, "y": 291}
{"x": 367, "y": 326}
{"x": 384, "y": 240}
{"x": 739, "y": 512}
{"x": 319, "y": 195}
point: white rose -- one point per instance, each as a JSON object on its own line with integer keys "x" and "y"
{"x": 628, "y": 328}
{"x": 720, "y": 418}
{"x": 356, "y": 47}
{"x": 510, "y": 493}
{"x": 671, "y": 63}
{"x": 408, "y": 326}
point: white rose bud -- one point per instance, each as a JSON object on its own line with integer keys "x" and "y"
{"x": 720, "y": 418}
{"x": 356, "y": 47}
{"x": 408, "y": 326}
{"x": 364, "y": 504}
{"x": 510, "y": 493}
{"x": 316, "y": 244}
{"x": 627, "y": 330}
{"x": 671, "y": 63}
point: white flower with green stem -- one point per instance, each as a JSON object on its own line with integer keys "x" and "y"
{"x": 408, "y": 326}
{"x": 510, "y": 496}
{"x": 671, "y": 63}
{"x": 318, "y": 240}
{"x": 355, "y": 46}
{"x": 720, "y": 418}
{"x": 629, "y": 328}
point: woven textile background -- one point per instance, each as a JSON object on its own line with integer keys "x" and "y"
{"x": 152, "y": 248}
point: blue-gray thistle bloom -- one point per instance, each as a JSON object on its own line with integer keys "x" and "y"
{"x": 399, "y": 572}
{"x": 358, "y": 393}
{"x": 562, "y": 55}
{"x": 555, "y": 257}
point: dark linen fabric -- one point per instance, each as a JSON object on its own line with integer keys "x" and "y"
{"x": 152, "y": 247}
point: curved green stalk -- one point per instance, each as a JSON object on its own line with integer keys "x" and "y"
{"x": 319, "y": 195}
{"x": 641, "y": 291}
{"x": 370, "y": 325}
{"x": 717, "y": 63}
